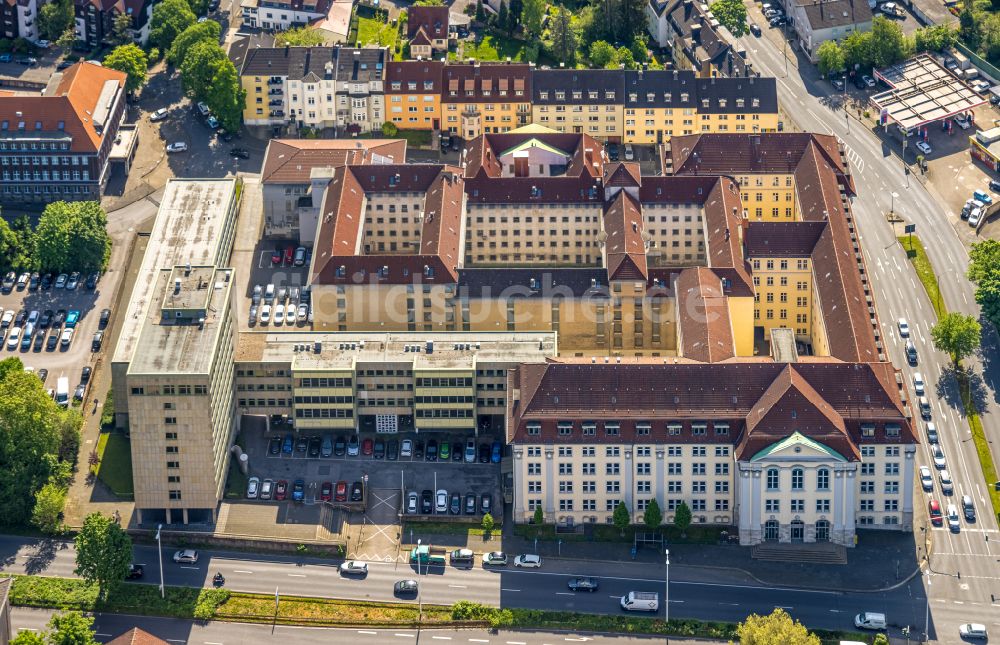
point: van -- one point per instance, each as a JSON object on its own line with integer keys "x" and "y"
{"x": 62, "y": 391}
{"x": 463, "y": 557}
{"x": 641, "y": 601}
{"x": 918, "y": 383}
{"x": 870, "y": 620}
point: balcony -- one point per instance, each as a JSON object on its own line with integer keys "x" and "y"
{"x": 277, "y": 113}
{"x": 274, "y": 81}
{"x": 273, "y": 103}
{"x": 276, "y": 92}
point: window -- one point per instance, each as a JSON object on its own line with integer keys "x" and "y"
{"x": 721, "y": 487}
{"x": 698, "y": 469}
{"x": 565, "y": 469}
{"x": 643, "y": 487}
{"x": 674, "y": 487}
{"x": 612, "y": 451}
{"x": 589, "y": 469}
{"x": 643, "y": 468}
{"x": 822, "y": 479}
{"x": 565, "y": 505}
{"x": 613, "y": 487}
{"x": 772, "y": 479}
{"x": 798, "y": 505}
{"x": 170, "y": 421}
{"x": 172, "y": 450}
{"x": 175, "y": 494}
{"x": 892, "y": 488}
{"x": 173, "y": 464}
{"x": 822, "y": 506}
{"x": 171, "y": 436}
{"x": 868, "y": 469}
{"x": 867, "y": 487}
{"x": 534, "y": 487}
{"x": 698, "y": 487}
{"x": 891, "y": 505}
{"x": 673, "y": 468}
{"x": 566, "y": 487}
{"x": 797, "y": 479}
{"x": 892, "y": 468}
{"x": 867, "y": 505}
{"x": 722, "y": 469}
{"x": 772, "y": 505}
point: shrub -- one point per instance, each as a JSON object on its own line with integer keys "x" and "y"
{"x": 209, "y": 600}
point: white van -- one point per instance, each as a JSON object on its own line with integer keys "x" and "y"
{"x": 641, "y": 601}
{"x": 870, "y": 620}
{"x": 62, "y": 391}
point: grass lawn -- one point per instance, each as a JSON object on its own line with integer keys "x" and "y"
{"x": 982, "y": 445}
{"x": 375, "y": 32}
{"x": 918, "y": 256}
{"x": 471, "y": 529}
{"x": 236, "y": 482}
{"x": 416, "y": 138}
{"x": 115, "y": 469}
{"x": 495, "y": 48}
{"x": 326, "y": 611}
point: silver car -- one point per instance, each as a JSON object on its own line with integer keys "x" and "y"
{"x": 186, "y": 556}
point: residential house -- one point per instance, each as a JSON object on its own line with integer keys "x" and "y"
{"x": 413, "y": 94}
{"x": 280, "y": 15}
{"x": 427, "y": 30}
{"x": 480, "y": 98}
{"x": 582, "y": 101}
{"x": 816, "y": 21}
{"x": 696, "y": 38}
{"x": 95, "y": 19}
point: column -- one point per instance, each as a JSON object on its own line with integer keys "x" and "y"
{"x": 906, "y": 521}
{"x": 744, "y": 502}
{"x": 184, "y": 514}
{"x": 840, "y": 511}
{"x": 549, "y": 482}
{"x": 519, "y": 485}
{"x": 658, "y": 491}
{"x": 756, "y": 507}
{"x": 629, "y": 488}
{"x": 850, "y": 502}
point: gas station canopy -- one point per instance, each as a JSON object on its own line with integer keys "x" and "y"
{"x": 922, "y": 91}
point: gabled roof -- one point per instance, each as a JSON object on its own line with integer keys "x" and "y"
{"x": 828, "y": 14}
{"x": 289, "y": 161}
{"x": 413, "y": 77}
{"x": 782, "y": 239}
{"x": 625, "y": 249}
{"x": 420, "y": 39}
{"x": 483, "y": 152}
{"x": 704, "y": 326}
{"x": 487, "y": 83}
{"x": 136, "y": 636}
{"x": 794, "y": 441}
{"x": 433, "y": 20}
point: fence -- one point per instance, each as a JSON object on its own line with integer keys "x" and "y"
{"x": 980, "y": 63}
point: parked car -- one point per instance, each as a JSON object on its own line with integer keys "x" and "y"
{"x": 456, "y": 504}
{"x": 253, "y": 487}
{"x": 105, "y": 317}
{"x": 326, "y": 491}
{"x": 427, "y": 502}
{"x": 868, "y": 80}
{"x": 926, "y": 480}
{"x": 923, "y": 147}
{"x": 280, "y": 490}
{"x": 339, "y": 446}
{"x": 392, "y": 450}
{"x": 186, "y": 556}
{"x": 326, "y": 446}
{"x": 239, "y": 153}
{"x": 406, "y": 448}
{"x": 274, "y": 446}
{"x": 177, "y": 146}
{"x": 159, "y": 115}
{"x": 135, "y": 571}
{"x": 412, "y": 502}
{"x": 288, "y": 444}
{"x": 379, "y": 451}
{"x": 340, "y": 495}
{"x": 583, "y": 584}
{"x": 445, "y": 451}
{"x": 353, "y": 446}
{"x": 934, "y": 511}
{"x": 357, "y": 492}
{"x": 528, "y": 561}
{"x": 432, "y": 450}
{"x": 470, "y": 504}
{"x": 367, "y": 447}
{"x": 266, "y": 489}
{"x": 298, "y": 490}
{"x": 441, "y": 502}
{"x": 495, "y": 559}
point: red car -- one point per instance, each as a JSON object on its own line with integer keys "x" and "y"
{"x": 280, "y": 490}
{"x": 935, "y": 512}
{"x": 276, "y": 256}
{"x": 341, "y": 495}
{"x": 367, "y": 446}
{"x": 325, "y": 490}
{"x": 289, "y": 254}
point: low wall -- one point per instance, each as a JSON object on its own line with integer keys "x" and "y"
{"x": 187, "y": 539}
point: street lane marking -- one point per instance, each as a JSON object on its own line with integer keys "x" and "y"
{"x": 99, "y": 634}
{"x": 478, "y": 640}
{"x": 405, "y": 635}
{"x": 241, "y": 571}
{"x": 441, "y": 638}
{"x": 297, "y": 575}
{"x": 503, "y": 589}
{"x": 191, "y": 568}
{"x": 516, "y": 643}
{"x": 566, "y": 593}
{"x": 459, "y": 586}
{"x": 681, "y": 582}
{"x": 212, "y": 643}
{"x": 780, "y": 607}
{"x": 367, "y": 631}
{"x": 174, "y": 640}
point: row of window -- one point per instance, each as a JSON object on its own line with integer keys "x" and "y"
{"x": 696, "y": 505}
{"x": 642, "y": 487}
{"x": 796, "y": 505}
{"x": 640, "y": 451}
{"x": 641, "y": 468}
{"x": 170, "y": 390}
{"x": 800, "y": 265}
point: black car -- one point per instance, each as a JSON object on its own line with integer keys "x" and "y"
{"x": 583, "y": 584}
{"x": 135, "y": 571}
{"x": 47, "y": 281}
{"x": 755, "y": 29}
{"x": 95, "y": 344}
{"x": 51, "y": 343}
{"x": 456, "y": 504}
{"x": 33, "y": 282}
{"x": 85, "y": 374}
{"x": 78, "y": 394}
{"x": 340, "y": 446}
{"x": 274, "y": 445}
{"x": 92, "y": 280}
{"x": 405, "y": 588}
{"x": 46, "y": 319}
{"x": 456, "y": 451}
{"x": 314, "y": 446}
{"x": 64, "y": 64}
{"x": 484, "y": 453}
{"x": 239, "y": 153}
{"x": 995, "y": 185}
{"x": 427, "y": 502}
{"x": 302, "y": 444}
{"x": 432, "y": 447}
{"x": 43, "y": 374}
{"x": 392, "y": 452}
{"x": 356, "y": 492}
{"x": 20, "y": 317}
{"x": 418, "y": 450}
{"x": 859, "y": 82}
{"x": 105, "y": 317}
{"x": 470, "y": 504}
{"x": 380, "y": 449}
{"x": 59, "y": 318}
{"x": 39, "y": 341}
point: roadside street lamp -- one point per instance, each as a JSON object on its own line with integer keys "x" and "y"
{"x": 420, "y": 587}
{"x": 927, "y": 610}
{"x": 159, "y": 552}
{"x": 666, "y": 589}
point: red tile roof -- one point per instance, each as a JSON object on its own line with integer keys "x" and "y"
{"x": 585, "y": 152}
{"x": 433, "y": 20}
{"x": 289, "y": 161}
{"x": 136, "y": 636}
{"x": 624, "y": 248}
{"x": 704, "y": 327}
{"x": 487, "y": 83}
{"x": 782, "y": 239}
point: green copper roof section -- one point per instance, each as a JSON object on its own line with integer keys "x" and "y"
{"x": 530, "y": 143}
{"x": 797, "y": 439}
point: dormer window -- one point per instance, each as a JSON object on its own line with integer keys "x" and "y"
{"x": 577, "y": 95}
{"x": 412, "y": 85}
{"x": 740, "y": 103}
{"x": 560, "y": 96}
{"x": 650, "y": 97}
{"x": 756, "y": 102}
{"x": 705, "y": 103}
{"x": 633, "y": 97}
{"x": 722, "y": 103}
{"x": 684, "y": 97}
{"x": 668, "y": 96}
{"x": 592, "y": 95}
{"x": 609, "y": 95}
{"x": 396, "y": 85}
{"x": 543, "y": 95}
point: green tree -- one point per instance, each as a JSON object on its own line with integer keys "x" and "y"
{"x": 24, "y": 637}
{"x": 621, "y": 517}
{"x": 390, "y": 129}
{"x": 532, "y": 12}
{"x": 831, "y": 57}
{"x": 988, "y": 297}
{"x": 934, "y": 38}
{"x": 71, "y": 628}
{"x": 501, "y": 22}
{"x": 199, "y": 7}
{"x": 26, "y": 241}
{"x": 131, "y": 60}
{"x": 66, "y": 41}
{"x": 564, "y": 36}
{"x": 984, "y": 260}
{"x": 632, "y": 18}
{"x": 11, "y": 252}
{"x": 602, "y": 54}
{"x": 170, "y": 19}
{"x": 732, "y": 14}
{"x": 774, "y": 629}
{"x": 429, "y": 3}
{"x": 682, "y": 517}
{"x": 639, "y": 48}
{"x": 121, "y": 29}
{"x": 207, "y": 31}
{"x": 480, "y": 13}
{"x": 103, "y": 553}
{"x": 54, "y": 18}
{"x": 857, "y": 49}
{"x": 957, "y": 335}
{"x": 888, "y": 43}
{"x": 487, "y": 523}
{"x": 968, "y": 26}
{"x": 514, "y": 15}
{"x": 200, "y": 65}
{"x": 29, "y": 441}
{"x": 652, "y": 517}
{"x": 539, "y": 516}
{"x": 73, "y": 235}
{"x": 226, "y": 97}
{"x": 880, "y": 639}
{"x": 624, "y": 57}
{"x": 298, "y": 37}
{"x": 49, "y": 503}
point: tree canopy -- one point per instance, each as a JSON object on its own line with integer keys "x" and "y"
{"x": 208, "y": 75}
{"x": 532, "y": 12}
{"x": 934, "y": 38}
{"x": 73, "y": 236}
{"x": 682, "y": 516}
{"x": 103, "y": 553}
{"x": 54, "y": 18}
{"x": 652, "y": 517}
{"x": 131, "y": 60}
{"x": 170, "y": 19}
{"x": 732, "y": 14}
{"x": 984, "y": 271}
{"x": 621, "y": 517}
{"x": 602, "y": 53}
{"x": 299, "y": 37}
{"x": 563, "y": 36}
{"x": 956, "y": 334}
{"x": 69, "y": 628}
{"x": 830, "y": 56}
{"x": 121, "y": 29}
{"x": 776, "y": 628}
{"x": 207, "y": 31}
{"x": 884, "y": 45}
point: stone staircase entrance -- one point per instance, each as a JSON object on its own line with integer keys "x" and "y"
{"x": 813, "y": 553}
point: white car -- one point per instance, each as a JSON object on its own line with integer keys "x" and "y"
{"x": 412, "y": 500}
{"x": 939, "y": 460}
{"x": 186, "y": 556}
{"x": 279, "y": 315}
{"x": 918, "y": 383}
{"x": 904, "y": 327}
{"x": 953, "y": 522}
{"x": 253, "y": 487}
{"x": 354, "y": 568}
{"x": 441, "y": 501}
{"x": 67, "y": 337}
{"x": 265, "y": 314}
{"x": 303, "y": 313}
{"x": 962, "y": 121}
{"x": 972, "y": 630}
{"x": 926, "y": 480}
{"x": 528, "y": 561}
{"x": 290, "y": 314}
{"x": 8, "y": 318}
{"x": 406, "y": 448}
{"x": 976, "y": 216}
{"x": 947, "y": 487}
{"x": 178, "y": 146}
{"x": 14, "y": 338}
{"x": 159, "y": 115}
{"x": 923, "y": 147}
{"x": 629, "y": 152}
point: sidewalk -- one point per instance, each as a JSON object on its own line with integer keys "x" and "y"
{"x": 880, "y": 561}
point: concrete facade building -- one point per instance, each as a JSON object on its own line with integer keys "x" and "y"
{"x": 817, "y": 21}
{"x": 280, "y": 15}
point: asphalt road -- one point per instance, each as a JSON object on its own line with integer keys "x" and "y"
{"x": 964, "y": 574}
{"x": 179, "y": 632}
{"x": 693, "y": 593}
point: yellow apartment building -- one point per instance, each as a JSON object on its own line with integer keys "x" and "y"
{"x": 413, "y": 94}
{"x": 483, "y": 98}
{"x": 580, "y": 101}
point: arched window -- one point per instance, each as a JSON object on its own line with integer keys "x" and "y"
{"x": 772, "y": 479}
{"x": 822, "y": 479}
{"x": 798, "y": 479}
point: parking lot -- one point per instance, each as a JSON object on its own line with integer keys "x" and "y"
{"x": 57, "y": 359}
{"x": 378, "y": 463}
{"x": 275, "y": 263}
